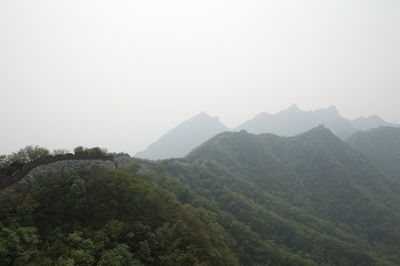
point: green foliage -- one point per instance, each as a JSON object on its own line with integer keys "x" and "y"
{"x": 16, "y": 160}
{"x": 311, "y": 197}
{"x": 3, "y": 161}
{"x": 28, "y": 154}
{"x": 118, "y": 256}
{"x": 94, "y": 150}
{"x": 239, "y": 199}
{"x": 18, "y": 245}
{"x": 105, "y": 217}
{"x": 78, "y": 150}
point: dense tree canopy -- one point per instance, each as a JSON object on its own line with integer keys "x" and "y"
{"x": 105, "y": 218}
{"x": 312, "y": 194}
{"x": 239, "y": 199}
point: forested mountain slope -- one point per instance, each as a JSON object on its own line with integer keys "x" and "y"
{"x": 381, "y": 145}
{"x": 238, "y": 199}
{"x": 312, "y": 194}
{"x": 105, "y": 217}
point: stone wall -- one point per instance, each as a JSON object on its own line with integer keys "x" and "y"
{"x": 68, "y": 167}
{"x": 65, "y": 163}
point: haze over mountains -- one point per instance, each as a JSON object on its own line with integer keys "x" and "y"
{"x": 84, "y": 84}
{"x": 320, "y": 200}
{"x": 380, "y": 145}
{"x": 182, "y": 139}
{"x": 237, "y": 199}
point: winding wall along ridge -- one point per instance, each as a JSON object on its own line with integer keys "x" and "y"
{"x": 24, "y": 171}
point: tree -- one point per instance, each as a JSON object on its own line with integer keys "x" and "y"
{"x": 94, "y": 150}
{"x": 78, "y": 150}
{"x": 3, "y": 165}
{"x": 119, "y": 256}
{"x": 59, "y": 151}
{"x": 3, "y": 161}
{"x": 28, "y": 154}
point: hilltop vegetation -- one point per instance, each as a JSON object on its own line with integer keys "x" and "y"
{"x": 311, "y": 194}
{"x": 32, "y": 156}
{"x": 105, "y": 218}
{"x": 238, "y": 199}
{"x": 10, "y": 163}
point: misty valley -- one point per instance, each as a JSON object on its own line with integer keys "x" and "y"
{"x": 294, "y": 188}
{"x": 199, "y": 133}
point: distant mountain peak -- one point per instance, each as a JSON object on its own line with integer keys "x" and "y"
{"x": 372, "y": 121}
{"x": 320, "y": 130}
{"x": 293, "y": 107}
{"x": 332, "y": 109}
{"x": 290, "y": 122}
{"x": 180, "y": 140}
{"x": 202, "y": 114}
{"x": 293, "y": 121}
{"x": 376, "y": 118}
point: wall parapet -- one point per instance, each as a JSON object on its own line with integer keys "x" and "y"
{"x": 27, "y": 168}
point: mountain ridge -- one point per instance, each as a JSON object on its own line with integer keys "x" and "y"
{"x": 179, "y": 141}
{"x": 313, "y": 181}
{"x": 381, "y": 145}
{"x": 237, "y": 199}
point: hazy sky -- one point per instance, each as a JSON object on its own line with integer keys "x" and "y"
{"x": 118, "y": 74}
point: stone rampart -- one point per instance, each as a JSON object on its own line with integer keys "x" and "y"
{"x": 64, "y": 163}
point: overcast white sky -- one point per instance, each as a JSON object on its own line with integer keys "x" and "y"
{"x": 118, "y": 74}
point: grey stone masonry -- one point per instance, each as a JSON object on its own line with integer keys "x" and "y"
{"x": 65, "y": 163}
{"x": 68, "y": 167}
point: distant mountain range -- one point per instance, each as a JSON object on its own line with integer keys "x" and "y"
{"x": 182, "y": 139}
{"x": 294, "y": 121}
{"x": 316, "y": 196}
{"x": 237, "y": 199}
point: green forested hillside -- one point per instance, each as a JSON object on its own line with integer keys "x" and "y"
{"x": 105, "y": 218}
{"x": 312, "y": 194}
{"x": 238, "y": 199}
{"x": 381, "y": 145}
